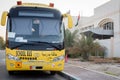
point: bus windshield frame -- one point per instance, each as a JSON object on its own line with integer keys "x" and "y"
{"x": 36, "y": 19}
{"x": 23, "y": 12}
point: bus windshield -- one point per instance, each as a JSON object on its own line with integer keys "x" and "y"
{"x": 40, "y": 28}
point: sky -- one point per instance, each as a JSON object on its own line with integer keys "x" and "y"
{"x": 84, "y": 7}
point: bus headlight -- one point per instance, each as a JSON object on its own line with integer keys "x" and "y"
{"x": 58, "y": 58}
{"x": 11, "y": 57}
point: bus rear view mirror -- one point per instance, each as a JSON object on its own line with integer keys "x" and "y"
{"x": 70, "y": 22}
{"x": 3, "y": 18}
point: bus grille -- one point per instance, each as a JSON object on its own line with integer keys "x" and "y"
{"x": 28, "y": 58}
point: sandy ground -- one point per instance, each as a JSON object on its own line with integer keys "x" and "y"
{"x": 108, "y": 68}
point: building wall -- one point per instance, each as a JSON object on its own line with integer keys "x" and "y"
{"x": 106, "y": 8}
{"x": 106, "y": 43}
{"x": 116, "y": 47}
{"x": 110, "y": 10}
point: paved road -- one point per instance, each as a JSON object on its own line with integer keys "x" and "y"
{"x": 24, "y": 75}
{"x": 86, "y": 74}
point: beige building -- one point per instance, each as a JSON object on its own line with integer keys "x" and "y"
{"x": 105, "y": 27}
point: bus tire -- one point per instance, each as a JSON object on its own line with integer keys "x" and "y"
{"x": 52, "y": 72}
{"x": 10, "y": 72}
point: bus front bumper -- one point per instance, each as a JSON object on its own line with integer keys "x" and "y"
{"x": 34, "y": 65}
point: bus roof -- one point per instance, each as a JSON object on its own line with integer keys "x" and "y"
{"x": 39, "y": 5}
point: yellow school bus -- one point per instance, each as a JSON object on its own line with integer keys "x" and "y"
{"x": 34, "y": 37}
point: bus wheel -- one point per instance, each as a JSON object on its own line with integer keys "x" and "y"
{"x": 10, "y": 72}
{"x": 52, "y": 72}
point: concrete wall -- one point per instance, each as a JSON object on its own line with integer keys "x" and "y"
{"x": 106, "y": 43}
{"x": 110, "y": 10}
{"x": 117, "y": 47}
{"x": 109, "y": 7}
{"x": 112, "y": 47}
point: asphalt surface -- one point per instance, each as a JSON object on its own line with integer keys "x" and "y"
{"x": 24, "y": 75}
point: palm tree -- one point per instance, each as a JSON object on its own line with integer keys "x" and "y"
{"x": 2, "y": 43}
{"x": 88, "y": 47}
{"x": 85, "y": 45}
{"x": 70, "y": 37}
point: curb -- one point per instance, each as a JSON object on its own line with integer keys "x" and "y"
{"x": 68, "y": 76}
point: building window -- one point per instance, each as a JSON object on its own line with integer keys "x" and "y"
{"x": 108, "y": 26}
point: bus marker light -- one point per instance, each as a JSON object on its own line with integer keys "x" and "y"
{"x": 30, "y": 67}
{"x": 19, "y": 2}
{"x": 51, "y": 4}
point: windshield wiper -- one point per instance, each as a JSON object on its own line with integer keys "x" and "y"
{"x": 21, "y": 45}
{"x": 37, "y": 42}
{"x": 50, "y": 44}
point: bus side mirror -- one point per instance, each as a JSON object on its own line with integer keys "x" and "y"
{"x": 70, "y": 21}
{"x": 3, "y": 18}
